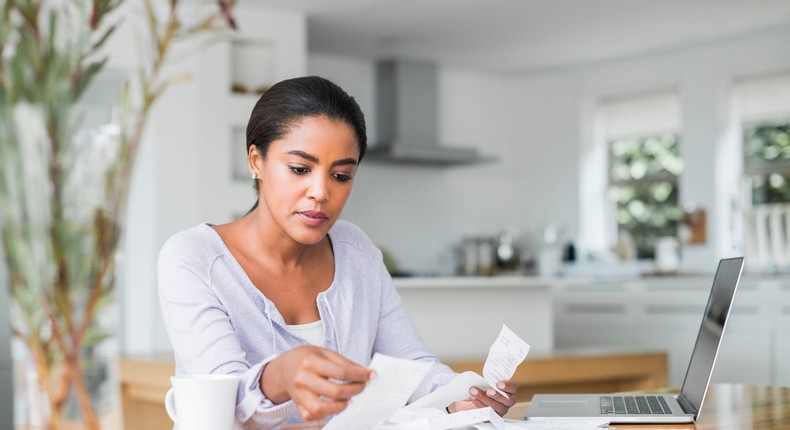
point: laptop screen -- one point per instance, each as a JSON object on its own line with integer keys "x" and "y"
{"x": 709, "y": 338}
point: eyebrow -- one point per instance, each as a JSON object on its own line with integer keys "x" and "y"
{"x": 314, "y": 159}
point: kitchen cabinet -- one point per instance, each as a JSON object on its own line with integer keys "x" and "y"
{"x": 781, "y": 353}
{"x": 665, "y": 314}
{"x": 592, "y": 315}
{"x": 460, "y": 317}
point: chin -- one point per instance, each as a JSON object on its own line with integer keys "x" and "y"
{"x": 310, "y": 236}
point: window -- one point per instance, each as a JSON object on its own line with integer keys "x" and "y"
{"x": 643, "y": 185}
{"x": 763, "y": 105}
{"x": 644, "y": 163}
{"x": 767, "y": 155}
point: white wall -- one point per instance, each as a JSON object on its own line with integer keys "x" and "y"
{"x": 183, "y": 174}
{"x": 537, "y": 124}
{"x": 534, "y": 124}
{"x": 419, "y": 212}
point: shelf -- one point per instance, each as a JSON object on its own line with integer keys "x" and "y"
{"x": 252, "y": 66}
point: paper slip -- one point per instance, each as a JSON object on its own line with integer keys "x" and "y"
{"x": 434, "y": 419}
{"x": 396, "y": 380}
{"x": 504, "y": 356}
{"x": 591, "y": 424}
{"x": 467, "y": 418}
{"x": 456, "y": 389}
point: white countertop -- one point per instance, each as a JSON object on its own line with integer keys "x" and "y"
{"x": 474, "y": 282}
{"x": 536, "y": 282}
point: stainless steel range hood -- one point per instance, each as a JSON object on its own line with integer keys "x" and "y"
{"x": 406, "y": 108}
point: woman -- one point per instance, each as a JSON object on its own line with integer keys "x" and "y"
{"x": 290, "y": 298}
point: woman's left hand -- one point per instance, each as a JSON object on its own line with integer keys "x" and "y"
{"x": 483, "y": 398}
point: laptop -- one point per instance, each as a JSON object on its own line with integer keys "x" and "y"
{"x": 658, "y": 407}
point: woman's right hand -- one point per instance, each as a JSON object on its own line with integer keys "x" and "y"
{"x": 303, "y": 374}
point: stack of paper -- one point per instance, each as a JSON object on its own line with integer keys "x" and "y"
{"x": 380, "y": 405}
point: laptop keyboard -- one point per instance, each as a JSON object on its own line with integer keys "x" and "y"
{"x": 634, "y": 405}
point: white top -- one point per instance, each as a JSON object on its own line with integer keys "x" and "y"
{"x": 220, "y": 323}
{"x": 312, "y": 332}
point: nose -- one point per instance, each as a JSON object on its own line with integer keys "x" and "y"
{"x": 319, "y": 190}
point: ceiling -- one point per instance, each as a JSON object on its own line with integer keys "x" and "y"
{"x": 519, "y": 36}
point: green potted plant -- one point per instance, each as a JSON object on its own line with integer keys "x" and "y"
{"x": 63, "y": 192}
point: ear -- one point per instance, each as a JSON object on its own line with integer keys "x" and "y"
{"x": 254, "y": 160}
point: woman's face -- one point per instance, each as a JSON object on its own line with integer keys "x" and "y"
{"x": 306, "y": 177}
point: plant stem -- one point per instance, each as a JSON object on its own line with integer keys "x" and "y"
{"x": 60, "y": 305}
{"x": 43, "y": 375}
{"x": 83, "y": 396}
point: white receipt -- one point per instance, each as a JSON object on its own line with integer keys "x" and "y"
{"x": 396, "y": 379}
{"x": 456, "y": 389}
{"x": 435, "y": 419}
{"x": 467, "y": 418}
{"x": 557, "y": 425}
{"x": 504, "y": 356}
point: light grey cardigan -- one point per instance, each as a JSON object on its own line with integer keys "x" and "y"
{"x": 219, "y": 322}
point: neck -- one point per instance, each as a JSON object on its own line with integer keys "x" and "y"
{"x": 273, "y": 244}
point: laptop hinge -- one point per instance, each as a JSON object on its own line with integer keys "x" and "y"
{"x": 686, "y": 405}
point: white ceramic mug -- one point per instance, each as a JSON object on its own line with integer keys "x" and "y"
{"x": 202, "y": 402}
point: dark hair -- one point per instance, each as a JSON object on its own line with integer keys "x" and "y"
{"x": 287, "y": 102}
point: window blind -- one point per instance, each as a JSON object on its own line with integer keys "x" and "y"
{"x": 763, "y": 99}
{"x": 643, "y": 115}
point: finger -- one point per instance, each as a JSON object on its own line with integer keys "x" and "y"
{"x": 335, "y": 366}
{"x": 483, "y": 399}
{"x": 507, "y": 385}
{"x": 461, "y": 405}
{"x": 317, "y": 408}
{"x": 341, "y": 368}
{"x": 508, "y": 400}
{"x": 320, "y": 386}
{"x": 479, "y": 397}
{"x": 478, "y": 404}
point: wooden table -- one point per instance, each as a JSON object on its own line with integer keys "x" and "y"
{"x": 144, "y": 383}
{"x": 145, "y": 380}
{"x": 726, "y": 407}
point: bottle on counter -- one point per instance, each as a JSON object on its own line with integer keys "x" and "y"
{"x": 507, "y": 252}
{"x": 485, "y": 256}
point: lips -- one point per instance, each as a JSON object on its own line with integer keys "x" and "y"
{"x": 313, "y": 218}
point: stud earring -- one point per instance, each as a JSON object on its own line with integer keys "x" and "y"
{"x": 254, "y": 176}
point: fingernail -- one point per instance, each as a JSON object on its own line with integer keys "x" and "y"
{"x": 500, "y": 385}
{"x": 491, "y": 392}
{"x": 473, "y": 391}
{"x": 373, "y": 375}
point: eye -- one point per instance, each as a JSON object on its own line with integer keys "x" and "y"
{"x": 299, "y": 170}
{"x": 340, "y": 177}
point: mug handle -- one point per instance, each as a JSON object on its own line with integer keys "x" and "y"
{"x": 170, "y": 405}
